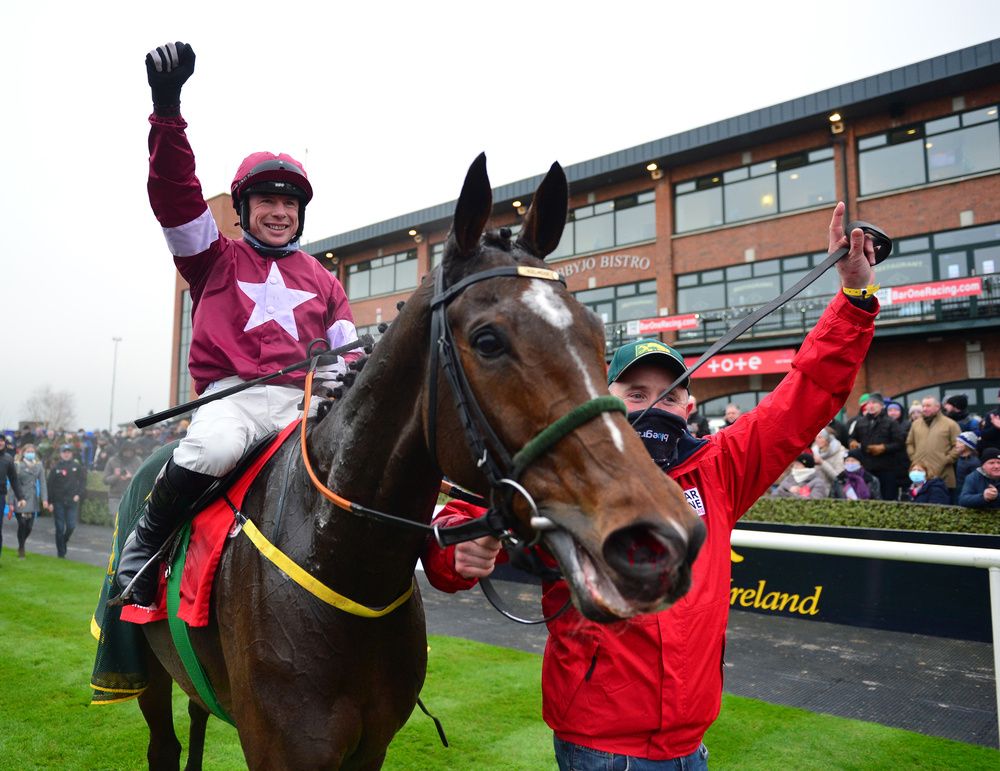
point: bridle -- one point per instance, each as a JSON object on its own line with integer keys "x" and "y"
{"x": 502, "y": 470}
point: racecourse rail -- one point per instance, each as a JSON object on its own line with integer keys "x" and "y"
{"x": 934, "y": 554}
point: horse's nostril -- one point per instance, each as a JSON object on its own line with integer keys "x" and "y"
{"x": 646, "y": 557}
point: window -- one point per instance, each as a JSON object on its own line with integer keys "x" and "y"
{"x": 759, "y": 190}
{"x": 437, "y": 254}
{"x": 944, "y": 148}
{"x": 626, "y": 220}
{"x": 714, "y": 410}
{"x": 723, "y": 297}
{"x": 382, "y": 275}
{"x": 371, "y": 329}
{"x": 617, "y": 305}
{"x": 624, "y": 302}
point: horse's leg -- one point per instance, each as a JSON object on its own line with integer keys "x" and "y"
{"x": 196, "y": 738}
{"x": 164, "y": 751}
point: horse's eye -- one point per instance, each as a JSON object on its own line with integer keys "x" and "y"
{"x": 488, "y": 343}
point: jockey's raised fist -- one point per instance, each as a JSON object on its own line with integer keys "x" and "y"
{"x": 167, "y": 68}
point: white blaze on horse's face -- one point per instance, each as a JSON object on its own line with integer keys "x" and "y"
{"x": 541, "y": 298}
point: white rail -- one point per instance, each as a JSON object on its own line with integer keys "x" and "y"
{"x": 935, "y": 554}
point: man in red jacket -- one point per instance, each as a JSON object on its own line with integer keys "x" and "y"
{"x": 642, "y": 692}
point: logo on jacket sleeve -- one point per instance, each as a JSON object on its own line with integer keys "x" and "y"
{"x": 694, "y": 501}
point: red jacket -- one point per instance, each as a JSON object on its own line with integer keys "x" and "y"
{"x": 252, "y": 315}
{"x": 651, "y": 686}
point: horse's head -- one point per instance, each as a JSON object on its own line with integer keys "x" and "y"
{"x": 625, "y": 537}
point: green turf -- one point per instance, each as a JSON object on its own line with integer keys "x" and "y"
{"x": 488, "y": 699}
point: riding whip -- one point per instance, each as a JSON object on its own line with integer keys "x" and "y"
{"x": 364, "y": 341}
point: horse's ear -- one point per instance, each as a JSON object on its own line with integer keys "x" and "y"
{"x": 545, "y": 220}
{"x": 474, "y": 207}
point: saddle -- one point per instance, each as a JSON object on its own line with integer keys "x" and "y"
{"x": 203, "y": 539}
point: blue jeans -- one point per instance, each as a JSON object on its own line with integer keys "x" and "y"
{"x": 575, "y": 757}
{"x": 65, "y": 514}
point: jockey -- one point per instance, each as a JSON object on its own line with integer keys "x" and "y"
{"x": 256, "y": 303}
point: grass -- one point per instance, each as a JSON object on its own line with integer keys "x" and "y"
{"x": 487, "y": 697}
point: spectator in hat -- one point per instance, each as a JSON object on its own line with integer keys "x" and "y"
{"x": 895, "y": 411}
{"x": 925, "y": 487}
{"x": 803, "y": 481}
{"x": 855, "y": 482}
{"x": 980, "y": 488}
{"x": 931, "y": 441}
{"x": 956, "y": 407}
{"x": 968, "y": 461}
{"x": 67, "y": 481}
{"x": 881, "y": 442}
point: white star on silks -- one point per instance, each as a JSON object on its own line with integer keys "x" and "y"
{"x": 273, "y": 301}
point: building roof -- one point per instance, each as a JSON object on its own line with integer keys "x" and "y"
{"x": 892, "y": 90}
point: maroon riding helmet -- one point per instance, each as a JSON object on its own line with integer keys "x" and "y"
{"x": 265, "y": 172}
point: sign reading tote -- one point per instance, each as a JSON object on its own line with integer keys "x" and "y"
{"x": 934, "y": 290}
{"x": 745, "y": 363}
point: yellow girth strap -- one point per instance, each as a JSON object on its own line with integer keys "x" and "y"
{"x": 311, "y": 584}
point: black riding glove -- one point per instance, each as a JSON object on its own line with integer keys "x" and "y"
{"x": 660, "y": 431}
{"x": 167, "y": 68}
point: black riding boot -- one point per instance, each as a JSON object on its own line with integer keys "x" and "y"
{"x": 167, "y": 506}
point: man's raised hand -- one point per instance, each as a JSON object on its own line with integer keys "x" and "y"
{"x": 167, "y": 69}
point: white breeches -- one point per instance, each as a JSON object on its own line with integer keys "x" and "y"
{"x": 220, "y": 432}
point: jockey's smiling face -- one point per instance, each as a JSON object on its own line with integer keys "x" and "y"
{"x": 641, "y": 383}
{"x": 274, "y": 219}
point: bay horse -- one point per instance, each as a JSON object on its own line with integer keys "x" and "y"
{"x": 309, "y": 686}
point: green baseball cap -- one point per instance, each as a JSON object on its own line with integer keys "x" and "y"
{"x": 653, "y": 351}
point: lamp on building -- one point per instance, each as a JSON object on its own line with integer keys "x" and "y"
{"x": 654, "y": 170}
{"x": 415, "y": 234}
{"x": 836, "y": 123}
{"x": 519, "y": 206}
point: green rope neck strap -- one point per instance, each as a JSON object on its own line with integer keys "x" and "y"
{"x": 567, "y": 424}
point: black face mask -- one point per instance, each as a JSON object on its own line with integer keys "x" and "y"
{"x": 660, "y": 431}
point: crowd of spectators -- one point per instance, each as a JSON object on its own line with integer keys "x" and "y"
{"x": 928, "y": 453}
{"x": 48, "y": 472}
{"x": 92, "y": 449}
